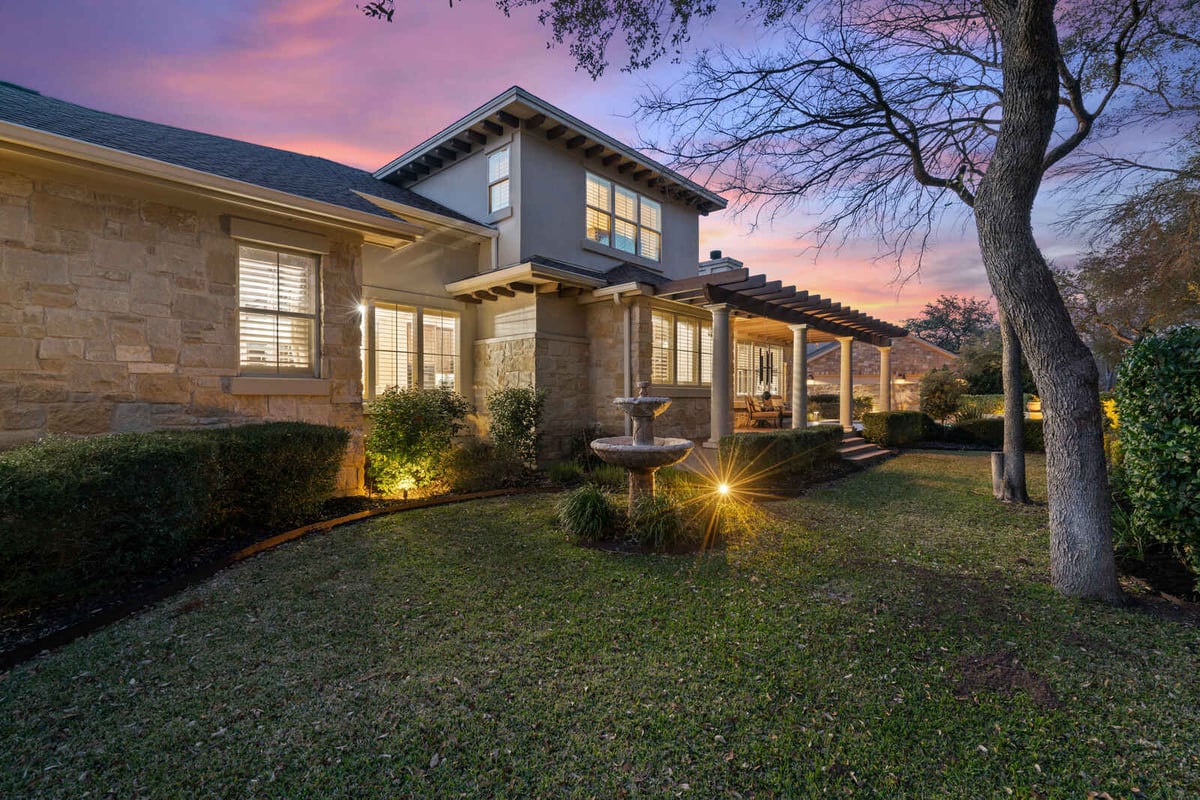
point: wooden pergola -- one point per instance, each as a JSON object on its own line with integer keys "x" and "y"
{"x": 737, "y": 293}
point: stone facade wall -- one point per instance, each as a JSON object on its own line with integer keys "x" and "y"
{"x": 562, "y": 369}
{"x": 606, "y": 367}
{"x": 558, "y": 364}
{"x": 118, "y": 313}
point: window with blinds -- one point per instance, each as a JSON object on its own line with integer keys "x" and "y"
{"x": 681, "y": 352}
{"x": 409, "y": 346}
{"x": 660, "y": 357}
{"x": 277, "y": 312}
{"x": 394, "y": 347}
{"x": 623, "y": 219}
{"x": 440, "y": 349}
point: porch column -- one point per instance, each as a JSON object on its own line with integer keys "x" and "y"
{"x": 885, "y": 377}
{"x": 721, "y": 407}
{"x": 799, "y": 376}
{"x": 846, "y": 392}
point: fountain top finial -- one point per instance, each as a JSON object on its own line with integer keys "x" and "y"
{"x": 642, "y": 387}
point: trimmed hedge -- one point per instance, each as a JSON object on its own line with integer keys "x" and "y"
{"x": 990, "y": 432}
{"x": 788, "y": 452}
{"x": 81, "y": 516}
{"x": 897, "y": 428}
{"x": 1158, "y": 398}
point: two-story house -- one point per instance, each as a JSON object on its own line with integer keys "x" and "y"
{"x": 155, "y": 277}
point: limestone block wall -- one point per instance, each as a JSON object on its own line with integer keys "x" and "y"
{"x": 606, "y": 366}
{"x": 562, "y": 369}
{"x": 558, "y": 364}
{"x": 119, "y": 313}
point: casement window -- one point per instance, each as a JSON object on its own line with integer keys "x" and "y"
{"x": 623, "y": 219}
{"x": 277, "y": 312}
{"x": 497, "y": 167}
{"x": 681, "y": 350}
{"x": 409, "y": 346}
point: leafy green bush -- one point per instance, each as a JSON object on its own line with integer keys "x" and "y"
{"x": 587, "y": 513}
{"x": 476, "y": 466}
{"x": 1158, "y": 401}
{"x": 516, "y": 414}
{"x": 782, "y": 453}
{"x": 941, "y": 391}
{"x": 981, "y": 405}
{"x": 862, "y": 405}
{"x": 897, "y": 428}
{"x": 827, "y": 406}
{"x": 990, "y": 432}
{"x": 81, "y": 516}
{"x": 410, "y": 436}
{"x": 657, "y": 523}
{"x": 300, "y": 473}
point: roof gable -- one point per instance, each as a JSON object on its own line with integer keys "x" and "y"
{"x": 517, "y": 109}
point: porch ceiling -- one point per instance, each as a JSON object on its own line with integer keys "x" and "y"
{"x": 753, "y": 296}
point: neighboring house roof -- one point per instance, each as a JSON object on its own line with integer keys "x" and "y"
{"x": 518, "y": 109}
{"x": 309, "y": 177}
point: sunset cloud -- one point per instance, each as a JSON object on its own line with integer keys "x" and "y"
{"x": 317, "y": 77}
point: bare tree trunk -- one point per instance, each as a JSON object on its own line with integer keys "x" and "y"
{"x": 1013, "y": 488}
{"x": 1081, "y": 553}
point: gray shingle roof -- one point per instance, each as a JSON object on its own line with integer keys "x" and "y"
{"x": 282, "y": 170}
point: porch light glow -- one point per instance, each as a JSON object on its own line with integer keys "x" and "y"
{"x": 362, "y": 308}
{"x": 723, "y": 489}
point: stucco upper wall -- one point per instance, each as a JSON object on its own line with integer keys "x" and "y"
{"x": 553, "y": 189}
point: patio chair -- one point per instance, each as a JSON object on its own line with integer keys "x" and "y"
{"x": 785, "y": 411}
{"x": 758, "y": 414}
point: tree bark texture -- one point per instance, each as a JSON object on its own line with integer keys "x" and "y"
{"x": 1013, "y": 488}
{"x": 1081, "y": 553}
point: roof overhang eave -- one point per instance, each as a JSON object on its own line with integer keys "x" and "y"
{"x": 374, "y": 228}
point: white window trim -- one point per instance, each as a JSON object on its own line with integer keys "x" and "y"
{"x": 673, "y": 350}
{"x": 244, "y": 238}
{"x": 612, "y": 217}
{"x": 370, "y": 390}
{"x": 507, "y": 148}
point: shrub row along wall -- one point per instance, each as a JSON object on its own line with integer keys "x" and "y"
{"x": 900, "y": 428}
{"x": 782, "y": 453}
{"x": 83, "y": 516}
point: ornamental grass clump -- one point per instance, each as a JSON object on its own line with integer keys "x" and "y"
{"x": 1158, "y": 401}
{"x": 411, "y": 434}
{"x": 587, "y": 514}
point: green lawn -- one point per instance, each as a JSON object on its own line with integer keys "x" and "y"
{"x": 892, "y": 635}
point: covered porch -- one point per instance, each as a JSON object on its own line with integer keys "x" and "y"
{"x": 761, "y": 332}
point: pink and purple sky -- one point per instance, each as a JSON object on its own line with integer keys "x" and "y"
{"x": 317, "y": 77}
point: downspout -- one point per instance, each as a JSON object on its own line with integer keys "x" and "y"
{"x": 627, "y": 304}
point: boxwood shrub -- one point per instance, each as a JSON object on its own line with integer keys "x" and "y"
{"x": 787, "y": 452}
{"x": 897, "y": 428}
{"x": 990, "y": 433}
{"x": 83, "y": 516}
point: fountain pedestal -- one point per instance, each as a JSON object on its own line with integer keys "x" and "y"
{"x": 642, "y": 454}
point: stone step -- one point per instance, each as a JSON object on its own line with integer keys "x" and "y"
{"x": 858, "y": 450}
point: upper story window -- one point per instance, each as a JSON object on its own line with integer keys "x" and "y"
{"x": 277, "y": 312}
{"x": 623, "y": 219}
{"x": 497, "y": 166}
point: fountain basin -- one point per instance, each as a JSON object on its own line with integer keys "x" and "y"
{"x": 622, "y": 451}
{"x": 643, "y": 406}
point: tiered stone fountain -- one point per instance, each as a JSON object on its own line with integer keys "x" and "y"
{"x": 642, "y": 454}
